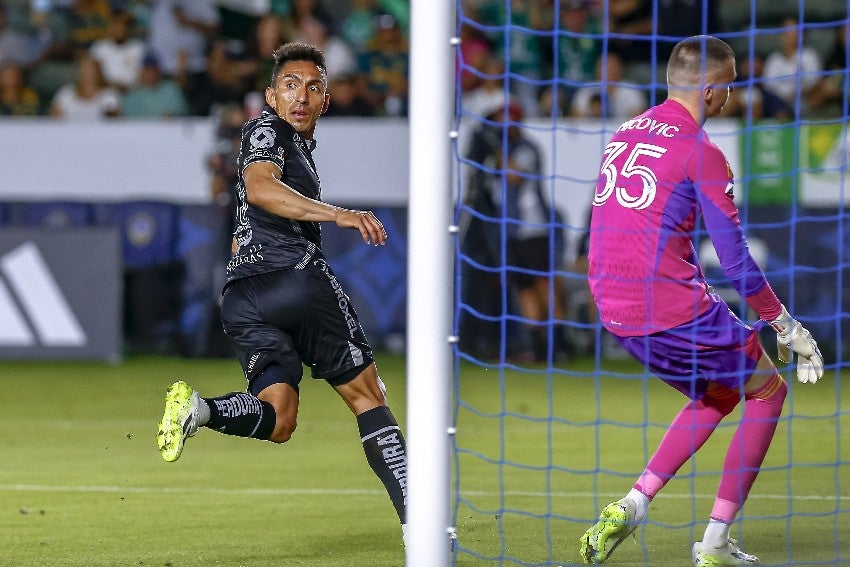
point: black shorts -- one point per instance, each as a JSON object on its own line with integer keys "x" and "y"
{"x": 529, "y": 254}
{"x": 294, "y": 317}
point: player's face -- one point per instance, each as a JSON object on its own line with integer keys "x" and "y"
{"x": 299, "y": 95}
{"x": 718, "y": 92}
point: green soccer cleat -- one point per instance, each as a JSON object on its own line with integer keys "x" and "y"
{"x": 616, "y": 522}
{"x": 179, "y": 421}
{"x": 730, "y": 555}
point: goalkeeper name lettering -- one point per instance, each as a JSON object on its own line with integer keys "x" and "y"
{"x": 654, "y": 127}
{"x": 394, "y": 456}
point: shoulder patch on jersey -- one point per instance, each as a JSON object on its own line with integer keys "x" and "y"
{"x": 262, "y": 138}
{"x": 730, "y": 187}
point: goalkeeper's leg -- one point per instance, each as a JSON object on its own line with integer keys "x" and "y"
{"x": 689, "y": 431}
{"x": 749, "y": 445}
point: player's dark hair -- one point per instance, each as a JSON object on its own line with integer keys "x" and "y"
{"x": 297, "y": 52}
{"x": 696, "y": 56}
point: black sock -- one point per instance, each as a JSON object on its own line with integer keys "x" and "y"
{"x": 386, "y": 452}
{"x": 242, "y": 415}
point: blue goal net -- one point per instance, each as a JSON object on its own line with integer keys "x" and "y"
{"x": 553, "y": 419}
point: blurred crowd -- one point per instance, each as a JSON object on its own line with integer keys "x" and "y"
{"x": 559, "y": 64}
{"x": 92, "y": 59}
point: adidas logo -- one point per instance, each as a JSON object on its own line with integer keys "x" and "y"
{"x": 33, "y": 310}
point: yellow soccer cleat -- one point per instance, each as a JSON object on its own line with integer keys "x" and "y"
{"x": 616, "y": 521}
{"x": 179, "y": 421}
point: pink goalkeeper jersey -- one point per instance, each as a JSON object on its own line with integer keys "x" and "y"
{"x": 659, "y": 173}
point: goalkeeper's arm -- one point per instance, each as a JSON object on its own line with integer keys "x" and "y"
{"x": 791, "y": 336}
{"x": 721, "y": 221}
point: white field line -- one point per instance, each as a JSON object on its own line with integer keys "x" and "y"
{"x": 354, "y": 491}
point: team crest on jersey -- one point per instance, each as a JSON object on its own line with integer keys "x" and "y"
{"x": 262, "y": 138}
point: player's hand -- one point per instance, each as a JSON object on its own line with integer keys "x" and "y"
{"x": 366, "y": 222}
{"x": 792, "y": 337}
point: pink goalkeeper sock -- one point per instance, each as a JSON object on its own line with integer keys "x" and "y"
{"x": 748, "y": 447}
{"x": 688, "y": 432}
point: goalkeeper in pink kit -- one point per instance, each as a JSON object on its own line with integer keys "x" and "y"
{"x": 660, "y": 173}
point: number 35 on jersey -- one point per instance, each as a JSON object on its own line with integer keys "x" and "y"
{"x": 622, "y": 182}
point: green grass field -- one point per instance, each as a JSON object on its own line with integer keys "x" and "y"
{"x": 82, "y": 484}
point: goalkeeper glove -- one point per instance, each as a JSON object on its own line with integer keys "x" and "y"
{"x": 791, "y": 336}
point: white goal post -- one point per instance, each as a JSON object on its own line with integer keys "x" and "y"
{"x": 429, "y": 292}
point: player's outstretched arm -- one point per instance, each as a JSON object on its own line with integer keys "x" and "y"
{"x": 267, "y": 191}
{"x": 792, "y": 337}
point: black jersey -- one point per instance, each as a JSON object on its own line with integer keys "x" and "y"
{"x": 266, "y": 242}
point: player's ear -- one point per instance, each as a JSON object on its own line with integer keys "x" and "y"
{"x": 707, "y": 95}
{"x": 326, "y": 102}
{"x": 270, "y": 98}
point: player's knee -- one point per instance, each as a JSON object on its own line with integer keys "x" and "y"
{"x": 382, "y": 389}
{"x": 773, "y": 391}
{"x": 283, "y": 430}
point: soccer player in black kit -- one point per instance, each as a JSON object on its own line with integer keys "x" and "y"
{"x": 282, "y": 305}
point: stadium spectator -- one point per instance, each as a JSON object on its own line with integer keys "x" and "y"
{"x": 339, "y": 57}
{"x": 525, "y": 58}
{"x": 385, "y": 66}
{"x": 577, "y": 50}
{"x": 153, "y": 96}
{"x": 347, "y": 92}
{"x": 627, "y": 21}
{"x": 269, "y": 33}
{"x": 829, "y": 97}
{"x": 552, "y": 103}
{"x": 120, "y": 54}
{"x": 88, "y": 22}
{"x": 792, "y": 66}
{"x": 585, "y": 311}
{"x": 678, "y": 19}
{"x": 302, "y": 12}
{"x": 473, "y": 52}
{"x": 398, "y": 9}
{"x": 488, "y": 96}
{"x": 480, "y": 245}
{"x": 223, "y": 166}
{"x": 227, "y": 78}
{"x": 282, "y": 305}
{"x": 358, "y": 26}
{"x": 615, "y": 97}
{"x": 140, "y": 11}
{"x": 645, "y": 278}
{"x": 19, "y": 47}
{"x": 178, "y": 34}
{"x": 89, "y": 97}
{"x": 751, "y": 98}
{"x": 509, "y": 173}
{"x": 16, "y": 98}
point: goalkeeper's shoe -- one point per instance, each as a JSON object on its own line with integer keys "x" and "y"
{"x": 616, "y": 522}
{"x": 729, "y": 555}
{"x": 179, "y": 421}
